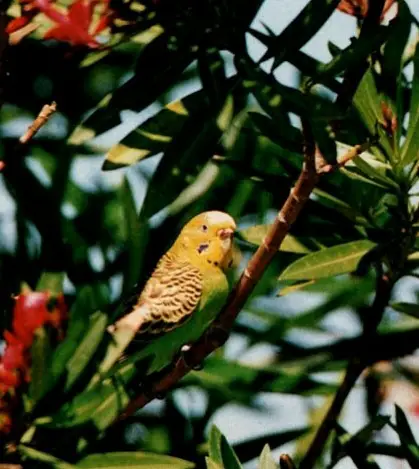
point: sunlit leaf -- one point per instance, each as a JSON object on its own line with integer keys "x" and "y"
{"x": 410, "y": 147}
{"x": 256, "y": 235}
{"x": 411, "y": 309}
{"x": 51, "y": 461}
{"x": 266, "y": 460}
{"x": 336, "y": 260}
{"x": 131, "y": 460}
{"x": 407, "y": 439}
{"x": 220, "y": 452}
{"x": 40, "y": 354}
{"x": 86, "y": 348}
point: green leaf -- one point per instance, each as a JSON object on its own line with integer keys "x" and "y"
{"x": 249, "y": 449}
{"x": 355, "y": 445}
{"x": 154, "y": 135}
{"x": 188, "y": 152}
{"x": 212, "y": 74}
{"x": 86, "y": 348}
{"x": 356, "y": 53}
{"x": 51, "y": 281}
{"x": 136, "y": 237}
{"x": 40, "y": 355}
{"x": 412, "y": 309}
{"x": 276, "y": 98}
{"x": 152, "y": 77}
{"x": 407, "y": 439}
{"x": 328, "y": 262}
{"x": 35, "y": 455}
{"x": 374, "y": 170}
{"x": 295, "y": 287}
{"x": 212, "y": 464}
{"x": 393, "y": 61}
{"x": 220, "y": 452}
{"x": 78, "y": 325}
{"x": 133, "y": 460}
{"x": 300, "y": 30}
{"x": 266, "y": 460}
{"x": 256, "y": 234}
{"x": 410, "y": 147}
{"x": 98, "y": 406}
{"x": 368, "y": 103}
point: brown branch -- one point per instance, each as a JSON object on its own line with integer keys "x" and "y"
{"x": 352, "y": 153}
{"x": 40, "y": 121}
{"x": 354, "y": 369}
{"x": 42, "y": 118}
{"x": 212, "y": 339}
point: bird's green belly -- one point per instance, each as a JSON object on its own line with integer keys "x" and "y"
{"x": 161, "y": 351}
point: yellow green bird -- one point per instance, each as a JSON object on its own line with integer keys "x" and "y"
{"x": 183, "y": 296}
{"x": 185, "y": 292}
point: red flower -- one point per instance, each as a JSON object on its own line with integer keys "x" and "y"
{"x": 359, "y": 8}
{"x": 74, "y": 27}
{"x": 30, "y": 312}
{"x": 13, "y": 357}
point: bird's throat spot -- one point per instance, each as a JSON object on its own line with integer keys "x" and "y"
{"x": 202, "y": 247}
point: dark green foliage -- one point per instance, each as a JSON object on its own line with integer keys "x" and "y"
{"x": 217, "y": 130}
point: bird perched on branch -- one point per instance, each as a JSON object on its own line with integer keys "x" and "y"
{"x": 184, "y": 294}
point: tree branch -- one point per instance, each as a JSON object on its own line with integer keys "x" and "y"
{"x": 356, "y": 365}
{"x": 212, "y": 339}
{"x": 42, "y": 118}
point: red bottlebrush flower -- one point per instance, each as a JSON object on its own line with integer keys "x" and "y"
{"x": 74, "y": 27}
{"x": 17, "y": 23}
{"x": 359, "y": 8}
{"x": 13, "y": 357}
{"x": 30, "y": 312}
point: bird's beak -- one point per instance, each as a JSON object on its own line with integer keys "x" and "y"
{"x": 225, "y": 233}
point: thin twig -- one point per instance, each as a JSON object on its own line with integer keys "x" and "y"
{"x": 212, "y": 339}
{"x": 46, "y": 112}
{"x": 40, "y": 121}
{"x": 352, "y": 153}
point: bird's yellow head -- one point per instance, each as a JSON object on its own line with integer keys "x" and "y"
{"x": 207, "y": 239}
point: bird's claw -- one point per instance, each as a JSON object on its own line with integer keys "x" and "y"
{"x": 146, "y": 388}
{"x": 184, "y": 351}
{"x": 219, "y": 333}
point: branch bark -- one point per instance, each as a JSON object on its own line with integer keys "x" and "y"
{"x": 356, "y": 365}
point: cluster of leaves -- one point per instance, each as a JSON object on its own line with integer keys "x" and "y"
{"x": 228, "y": 141}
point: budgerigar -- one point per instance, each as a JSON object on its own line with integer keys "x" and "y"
{"x": 185, "y": 292}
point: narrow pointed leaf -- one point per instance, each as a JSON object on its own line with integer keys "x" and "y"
{"x": 40, "y": 355}
{"x": 410, "y": 148}
{"x": 300, "y": 30}
{"x": 45, "y": 458}
{"x": 132, "y": 460}
{"x": 412, "y": 309}
{"x": 256, "y": 234}
{"x": 328, "y": 262}
{"x": 266, "y": 460}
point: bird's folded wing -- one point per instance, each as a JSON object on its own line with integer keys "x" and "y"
{"x": 169, "y": 298}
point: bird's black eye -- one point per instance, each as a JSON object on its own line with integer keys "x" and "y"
{"x": 204, "y": 228}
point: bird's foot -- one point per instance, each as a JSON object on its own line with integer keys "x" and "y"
{"x": 218, "y": 334}
{"x": 146, "y": 387}
{"x": 186, "y": 356}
